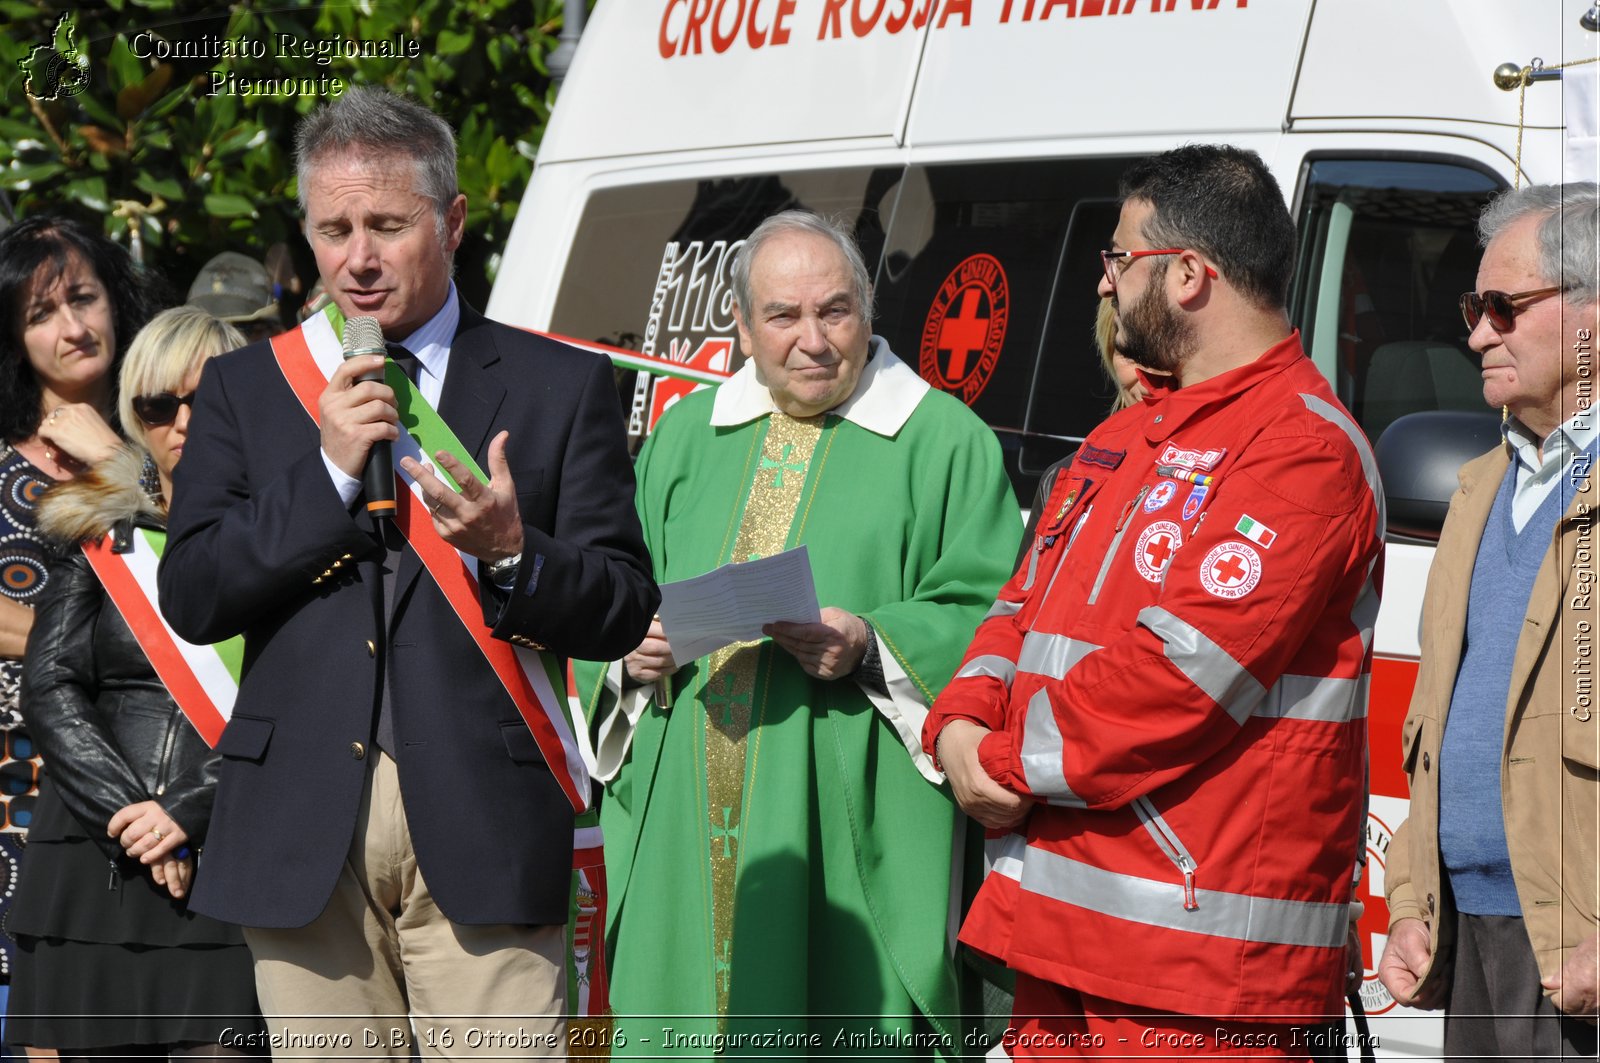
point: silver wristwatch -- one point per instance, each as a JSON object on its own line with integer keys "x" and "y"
{"x": 503, "y": 573}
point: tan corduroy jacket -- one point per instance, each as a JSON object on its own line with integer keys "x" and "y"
{"x": 1552, "y": 733}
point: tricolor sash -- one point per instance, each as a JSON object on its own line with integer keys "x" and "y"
{"x": 308, "y": 357}
{"x": 203, "y": 680}
{"x": 588, "y": 989}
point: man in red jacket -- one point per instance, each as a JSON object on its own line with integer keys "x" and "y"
{"x": 1168, "y": 701}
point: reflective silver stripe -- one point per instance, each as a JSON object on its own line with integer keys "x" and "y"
{"x": 1238, "y": 916}
{"x": 1033, "y": 568}
{"x": 991, "y": 665}
{"x": 1310, "y": 697}
{"x": 1163, "y": 834}
{"x": 1005, "y": 855}
{"x": 1041, "y": 753}
{"x": 1051, "y": 655}
{"x": 1365, "y": 615}
{"x": 1205, "y": 664}
{"x": 1078, "y": 527}
{"x": 1116, "y": 543}
{"x": 1369, "y": 465}
{"x": 1001, "y": 607}
{"x": 1230, "y": 684}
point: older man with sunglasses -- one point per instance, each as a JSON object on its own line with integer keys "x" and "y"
{"x": 1492, "y": 882}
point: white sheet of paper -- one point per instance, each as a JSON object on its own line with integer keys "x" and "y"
{"x": 731, "y": 603}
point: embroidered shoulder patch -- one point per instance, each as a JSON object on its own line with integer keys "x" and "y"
{"x": 1106, "y": 459}
{"x": 1231, "y": 570}
{"x": 1198, "y": 460}
{"x": 1155, "y": 548}
{"x": 1255, "y": 531}
{"x": 1160, "y": 495}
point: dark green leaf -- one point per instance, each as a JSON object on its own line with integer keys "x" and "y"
{"x": 173, "y": 100}
{"x": 15, "y": 176}
{"x": 227, "y": 205}
{"x": 12, "y": 129}
{"x": 90, "y": 191}
{"x": 133, "y": 100}
{"x": 93, "y": 102}
{"x": 500, "y": 164}
{"x": 238, "y": 139}
{"x": 126, "y": 68}
{"x": 165, "y": 187}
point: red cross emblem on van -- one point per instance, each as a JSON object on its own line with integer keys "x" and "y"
{"x": 965, "y": 328}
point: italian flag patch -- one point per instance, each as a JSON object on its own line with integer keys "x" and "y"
{"x": 1255, "y": 531}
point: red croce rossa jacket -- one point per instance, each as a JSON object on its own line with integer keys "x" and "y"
{"x": 1177, "y": 673}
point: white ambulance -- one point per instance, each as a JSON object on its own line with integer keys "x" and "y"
{"x": 976, "y": 144}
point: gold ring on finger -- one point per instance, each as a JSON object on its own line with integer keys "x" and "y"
{"x": 157, "y": 832}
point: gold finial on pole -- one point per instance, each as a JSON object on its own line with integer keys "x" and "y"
{"x": 1508, "y": 76}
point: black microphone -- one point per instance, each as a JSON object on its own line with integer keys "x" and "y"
{"x": 363, "y": 335}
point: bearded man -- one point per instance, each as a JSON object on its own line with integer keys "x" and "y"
{"x": 1166, "y": 703}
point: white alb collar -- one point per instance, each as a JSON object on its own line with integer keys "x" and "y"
{"x": 885, "y": 397}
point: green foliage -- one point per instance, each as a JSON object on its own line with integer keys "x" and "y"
{"x": 173, "y": 120}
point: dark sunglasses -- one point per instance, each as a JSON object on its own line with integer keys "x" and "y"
{"x": 1501, "y": 307}
{"x": 157, "y": 410}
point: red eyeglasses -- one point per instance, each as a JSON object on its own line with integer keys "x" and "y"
{"x": 1501, "y": 307}
{"x": 1109, "y": 260}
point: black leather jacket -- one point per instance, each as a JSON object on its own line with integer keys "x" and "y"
{"x": 109, "y": 733}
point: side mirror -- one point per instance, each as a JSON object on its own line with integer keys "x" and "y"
{"x": 1419, "y": 456}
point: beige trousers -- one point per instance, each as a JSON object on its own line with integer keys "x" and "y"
{"x": 382, "y": 970}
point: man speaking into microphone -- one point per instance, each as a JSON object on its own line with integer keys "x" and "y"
{"x": 393, "y": 825}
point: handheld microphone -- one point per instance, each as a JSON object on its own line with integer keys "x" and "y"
{"x": 363, "y": 335}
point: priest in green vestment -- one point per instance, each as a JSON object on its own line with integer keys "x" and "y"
{"x": 783, "y": 860}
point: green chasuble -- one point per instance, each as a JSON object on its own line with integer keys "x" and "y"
{"x": 779, "y": 851}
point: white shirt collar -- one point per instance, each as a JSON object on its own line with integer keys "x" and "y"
{"x": 884, "y": 399}
{"x": 431, "y": 342}
{"x": 1571, "y": 438}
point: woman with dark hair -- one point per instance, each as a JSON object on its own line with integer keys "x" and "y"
{"x": 67, "y": 294}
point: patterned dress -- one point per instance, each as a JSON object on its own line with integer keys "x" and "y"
{"x": 24, "y": 562}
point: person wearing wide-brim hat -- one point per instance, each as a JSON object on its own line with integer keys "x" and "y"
{"x": 237, "y": 289}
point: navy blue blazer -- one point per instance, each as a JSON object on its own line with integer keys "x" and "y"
{"x": 260, "y": 544}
